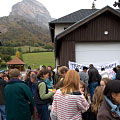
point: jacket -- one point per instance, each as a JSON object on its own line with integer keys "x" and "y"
{"x": 105, "y": 113}
{"x": 2, "y": 85}
{"x": 118, "y": 74}
{"x": 19, "y": 102}
{"x": 37, "y": 98}
{"x": 84, "y": 77}
{"x": 94, "y": 76}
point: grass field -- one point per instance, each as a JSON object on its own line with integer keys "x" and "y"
{"x": 37, "y": 59}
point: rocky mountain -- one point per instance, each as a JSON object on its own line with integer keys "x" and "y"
{"x": 27, "y": 24}
{"x": 31, "y": 10}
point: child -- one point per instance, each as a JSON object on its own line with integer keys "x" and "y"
{"x": 84, "y": 91}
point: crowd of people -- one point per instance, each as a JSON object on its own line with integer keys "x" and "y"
{"x": 63, "y": 94}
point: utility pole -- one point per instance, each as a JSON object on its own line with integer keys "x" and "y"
{"x": 117, "y": 4}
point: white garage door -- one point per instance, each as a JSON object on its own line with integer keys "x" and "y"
{"x": 97, "y": 53}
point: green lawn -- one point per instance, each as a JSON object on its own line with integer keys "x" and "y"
{"x": 37, "y": 59}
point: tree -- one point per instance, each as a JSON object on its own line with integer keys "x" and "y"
{"x": 19, "y": 55}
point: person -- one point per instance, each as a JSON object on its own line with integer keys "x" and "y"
{"x": 68, "y": 101}
{"x": 110, "y": 109}
{"x": 98, "y": 98}
{"x": 104, "y": 74}
{"x": 27, "y": 78}
{"x": 19, "y": 103}
{"x": 49, "y": 68}
{"x": 41, "y": 96}
{"x": 118, "y": 72}
{"x": 94, "y": 79}
{"x": 43, "y": 67}
{"x": 104, "y": 82}
{"x": 31, "y": 83}
{"x": 2, "y": 97}
{"x": 84, "y": 76}
{"x": 76, "y": 69}
{"x": 62, "y": 72}
{"x": 57, "y": 76}
{"x": 29, "y": 67}
{"x": 87, "y": 96}
{"x": 83, "y": 90}
{"x": 49, "y": 80}
{"x": 114, "y": 74}
{"x": 5, "y": 77}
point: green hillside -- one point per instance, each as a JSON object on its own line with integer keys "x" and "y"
{"x": 18, "y": 32}
{"x": 37, "y": 59}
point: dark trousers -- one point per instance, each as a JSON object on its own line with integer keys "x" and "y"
{"x": 43, "y": 112}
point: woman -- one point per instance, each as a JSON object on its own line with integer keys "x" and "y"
{"x": 68, "y": 102}
{"x": 41, "y": 95}
{"x": 49, "y": 80}
{"x": 110, "y": 109}
{"x": 114, "y": 74}
{"x": 104, "y": 82}
{"x": 98, "y": 98}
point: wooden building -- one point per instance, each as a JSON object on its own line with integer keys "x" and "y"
{"x": 16, "y": 63}
{"x": 87, "y": 36}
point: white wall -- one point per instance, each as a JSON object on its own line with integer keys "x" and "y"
{"x": 97, "y": 52}
{"x": 60, "y": 27}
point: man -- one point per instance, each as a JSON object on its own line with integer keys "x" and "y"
{"x": 104, "y": 74}
{"x": 57, "y": 76}
{"x": 94, "y": 79}
{"x": 118, "y": 72}
{"x": 19, "y": 102}
{"x": 84, "y": 76}
{"x": 62, "y": 72}
{"x": 2, "y": 98}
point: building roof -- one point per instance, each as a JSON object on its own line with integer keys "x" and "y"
{"x": 76, "y": 17}
{"x": 86, "y": 19}
{"x": 16, "y": 61}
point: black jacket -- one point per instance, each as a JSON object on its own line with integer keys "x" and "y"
{"x": 118, "y": 74}
{"x": 94, "y": 75}
{"x": 2, "y": 85}
{"x": 37, "y": 98}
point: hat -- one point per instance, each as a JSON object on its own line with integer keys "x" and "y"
{"x": 14, "y": 73}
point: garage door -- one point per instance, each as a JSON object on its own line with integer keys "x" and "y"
{"x": 97, "y": 52}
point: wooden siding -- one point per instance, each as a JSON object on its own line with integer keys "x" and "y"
{"x": 67, "y": 52}
{"x": 94, "y": 29}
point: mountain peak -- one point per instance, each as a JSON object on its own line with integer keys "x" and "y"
{"x": 31, "y": 10}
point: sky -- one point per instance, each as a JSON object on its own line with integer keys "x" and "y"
{"x": 58, "y": 8}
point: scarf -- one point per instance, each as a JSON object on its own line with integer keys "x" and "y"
{"x": 115, "y": 108}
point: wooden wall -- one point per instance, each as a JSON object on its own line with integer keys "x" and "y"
{"x": 94, "y": 29}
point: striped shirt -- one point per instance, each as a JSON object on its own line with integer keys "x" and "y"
{"x": 68, "y": 107}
